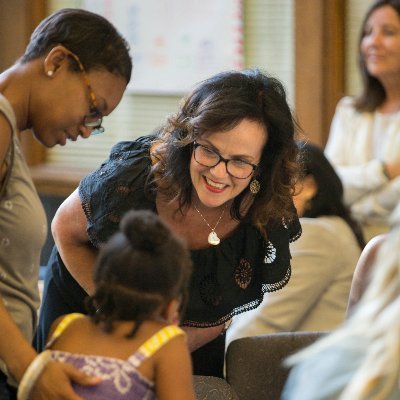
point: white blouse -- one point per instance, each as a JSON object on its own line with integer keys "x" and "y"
{"x": 358, "y": 143}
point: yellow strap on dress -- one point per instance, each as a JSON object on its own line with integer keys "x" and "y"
{"x": 155, "y": 342}
{"x": 62, "y": 325}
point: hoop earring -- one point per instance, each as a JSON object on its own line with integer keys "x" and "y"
{"x": 254, "y": 186}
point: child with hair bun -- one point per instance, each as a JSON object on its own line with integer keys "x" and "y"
{"x": 129, "y": 337}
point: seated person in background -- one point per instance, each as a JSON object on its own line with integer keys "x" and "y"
{"x": 323, "y": 259}
{"x": 364, "y": 140}
{"x": 129, "y": 338}
{"x": 360, "y": 360}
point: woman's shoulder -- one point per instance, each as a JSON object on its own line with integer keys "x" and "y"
{"x": 281, "y": 232}
{"x": 346, "y": 105}
{"x": 140, "y": 143}
{"x": 125, "y": 158}
{"x": 118, "y": 185}
{"x": 328, "y": 232}
{"x": 128, "y": 153}
{"x": 7, "y": 127}
{"x": 330, "y": 224}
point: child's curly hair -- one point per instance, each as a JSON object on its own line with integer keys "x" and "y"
{"x": 139, "y": 269}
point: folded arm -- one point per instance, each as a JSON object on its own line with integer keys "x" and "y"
{"x": 377, "y": 206}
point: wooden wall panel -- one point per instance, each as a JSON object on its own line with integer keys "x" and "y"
{"x": 319, "y": 59}
{"x": 18, "y": 18}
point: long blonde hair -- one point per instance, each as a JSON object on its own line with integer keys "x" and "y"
{"x": 377, "y": 319}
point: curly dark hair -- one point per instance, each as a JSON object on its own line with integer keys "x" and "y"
{"x": 219, "y": 104}
{"x": 142, "y": 267}
{"x": 373, "y": 94}
{"x": 90, "y": 36}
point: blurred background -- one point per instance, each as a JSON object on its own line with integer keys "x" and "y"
{"x": 310, "y": 45}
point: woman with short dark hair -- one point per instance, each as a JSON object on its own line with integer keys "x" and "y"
{"x": 74, "y": 71}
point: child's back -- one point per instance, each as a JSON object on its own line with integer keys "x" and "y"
{"x": 141, "y": 278}
{"x": 128, "y": 368}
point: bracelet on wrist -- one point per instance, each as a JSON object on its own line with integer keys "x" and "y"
{"x": 32, "y": 373}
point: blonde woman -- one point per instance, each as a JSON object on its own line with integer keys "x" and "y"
{"x": 361, "y": 359}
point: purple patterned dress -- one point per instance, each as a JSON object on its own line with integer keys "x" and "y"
{"x": 121, "y": 379}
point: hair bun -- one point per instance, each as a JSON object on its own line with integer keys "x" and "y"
{"x": 144, "y": 230}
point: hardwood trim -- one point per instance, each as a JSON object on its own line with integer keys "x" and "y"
{"x": 36, "y": 12}
{"x": 319, "y": 64}
{"x": 334, "y": 61}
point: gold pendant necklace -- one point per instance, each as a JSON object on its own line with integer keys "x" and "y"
{"x": 213, "y": 238}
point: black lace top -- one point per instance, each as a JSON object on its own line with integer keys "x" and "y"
{"x": 227, "y": 279}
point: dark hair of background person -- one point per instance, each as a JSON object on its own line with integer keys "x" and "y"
{"x": 88, "y": 35}
{"x": 141, "y": 268}
{"x": 219, "y": 104}
{"x": 373, "y": 93}
{"x": 329, "y": 197}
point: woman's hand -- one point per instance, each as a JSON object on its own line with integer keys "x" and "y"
{"x": 198, "y": 337}
{"x": 55, "y": 382}
{"x": 393, "y": 169}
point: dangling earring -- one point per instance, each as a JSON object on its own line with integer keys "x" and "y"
{"x": 50, "y": 73}
{"x": 308, "y": 203}
{"x": 254, "y": 186}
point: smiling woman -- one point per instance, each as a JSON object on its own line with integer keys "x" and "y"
{"x": 224, "y": 178}
{"x": 221, "y": 174}
{"x": 57, "y": 89}
{"x": 364, "y": 140}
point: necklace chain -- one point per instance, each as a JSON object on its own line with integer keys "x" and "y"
{"x": 213, "y": 234}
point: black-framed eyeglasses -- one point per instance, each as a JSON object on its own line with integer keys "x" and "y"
{"x": 237, "y": 168}
{"x": 94, "y": 119}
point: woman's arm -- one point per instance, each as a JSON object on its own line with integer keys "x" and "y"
{"x": 15, "y": 351}
{"x": 198, "y": 337}
{"x": 376, "y": 206}
{"x": 17, "y": 354}
{"x": 69, "y": 231}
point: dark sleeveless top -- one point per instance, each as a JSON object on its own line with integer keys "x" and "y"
{"x": 227, "y": 279}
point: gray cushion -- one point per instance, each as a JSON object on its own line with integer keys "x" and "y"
{"x": 254, "y": 364}
{"x": 213, "y": 388}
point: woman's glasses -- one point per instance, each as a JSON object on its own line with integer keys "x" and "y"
{"x": 237, "y": 168}
{"x": 94, "y": 119}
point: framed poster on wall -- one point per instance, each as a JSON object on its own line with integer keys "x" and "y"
{"x": 176, "y": 43}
